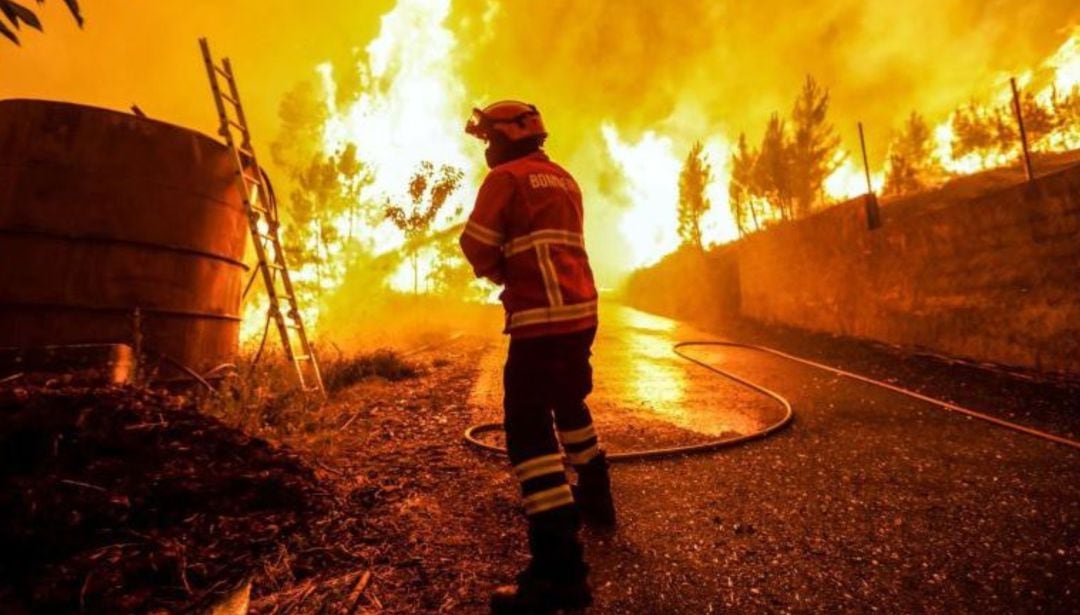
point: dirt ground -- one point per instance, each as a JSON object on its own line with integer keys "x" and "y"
{"x": 868, "y": 502}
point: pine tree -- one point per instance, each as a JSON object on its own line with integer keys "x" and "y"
{"x": 772, "y": 169}
{"x": 813, "y": 148}
{"x": 1066, "y": 108}
{"x": 327, "y": 190}
{"x": 694, "y": 179}
{"x": 1039, "y": 120}
{"x": 911, "y": 166}
{"x": 973, "y": 132}
{"x": 740, "y": 186}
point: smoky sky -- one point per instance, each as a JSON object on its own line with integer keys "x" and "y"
{"x": 708, "y": 66}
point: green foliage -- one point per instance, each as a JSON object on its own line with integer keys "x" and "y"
{"x": 911, "y": 166}
{"x": 451, "y": 274}
{"x": 772, "y": 176}
{"x": 326, "y": 191}
{"x": 784, "y": 177}
{"x": 302, "y": 113}
{"x": 813, "y": 147}
{"x": 695, "y": 177}
{"x": 428, "y": 190}
{"x": 17, "y": 14}
{"x": 744, "y": 204}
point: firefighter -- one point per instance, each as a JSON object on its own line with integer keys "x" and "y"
{"x": 525, "y": 234}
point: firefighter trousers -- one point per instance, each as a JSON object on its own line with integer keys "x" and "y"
{"x": 546, "y": 381}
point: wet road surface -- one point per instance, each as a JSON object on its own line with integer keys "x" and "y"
{"x": 638, "y": 379}
{"x": 869, "y": 502}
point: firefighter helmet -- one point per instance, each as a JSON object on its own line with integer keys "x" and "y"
{"x": 511, "y": 119}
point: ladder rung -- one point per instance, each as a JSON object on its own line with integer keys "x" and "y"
{"x": 283, "y": 302}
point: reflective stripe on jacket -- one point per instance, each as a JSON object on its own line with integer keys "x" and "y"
{"x": 525, "y": 232}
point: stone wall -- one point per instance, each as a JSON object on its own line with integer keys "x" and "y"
{"x": 989, "y": 274}
{"x": 689, "y": 285}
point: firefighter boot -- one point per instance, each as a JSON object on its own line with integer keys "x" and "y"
{"x": 593, "y": 494}
{"x": 556, "y": 578}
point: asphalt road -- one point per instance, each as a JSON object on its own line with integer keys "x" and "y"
{"x": 870, "y": 501}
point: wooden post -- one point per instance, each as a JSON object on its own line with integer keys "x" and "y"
{"x": 873, "y": 213}
{"x": 1023, "y": 131}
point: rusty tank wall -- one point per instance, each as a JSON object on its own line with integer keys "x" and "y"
{"x": 104, "y": 212}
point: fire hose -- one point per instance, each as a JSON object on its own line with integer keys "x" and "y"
{"x": 473, "y": 432}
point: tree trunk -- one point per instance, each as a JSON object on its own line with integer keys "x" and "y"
{"x": 415, "y": 274}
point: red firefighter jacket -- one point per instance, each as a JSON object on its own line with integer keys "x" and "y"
{"x": 525, "y": 232}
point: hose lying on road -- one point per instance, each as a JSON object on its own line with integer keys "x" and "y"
{"x": 915, "y": 395}
{"x": 705, "y": 447}
{"x": 472, "y": 433}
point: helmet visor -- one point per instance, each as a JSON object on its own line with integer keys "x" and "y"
{"x": 477, "y": 125}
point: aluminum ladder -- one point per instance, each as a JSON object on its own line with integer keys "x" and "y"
{"x": 261, "y": 207}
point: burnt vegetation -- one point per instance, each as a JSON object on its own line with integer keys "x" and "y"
{"x": 86, "y": 529}
{"x": 135, "y": 499}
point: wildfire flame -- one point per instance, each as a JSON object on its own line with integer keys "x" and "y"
{"x": 1058, "y": 75}
{"x": 409, "y": 109}
{"x": 412, "y": 102}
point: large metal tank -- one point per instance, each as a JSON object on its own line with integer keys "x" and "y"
{"x": 103, "y": 213}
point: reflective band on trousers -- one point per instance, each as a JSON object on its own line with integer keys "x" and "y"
{"x": 548, "y": 499}
{"x": 552, "y": 314}
{"x": 545, "y": 237}
{"x": 584, "y": 457}
{"x": 578, "y": 435}
{"x": 539, "y": 466}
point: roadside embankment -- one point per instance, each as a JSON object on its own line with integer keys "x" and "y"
{"x": 983, "y": 269}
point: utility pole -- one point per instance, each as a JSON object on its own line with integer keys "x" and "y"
{"x": 873, "y": 213}
{"x": 1023, "y": 131}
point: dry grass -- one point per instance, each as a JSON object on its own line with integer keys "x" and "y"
{"x": 263, "y": 400}
{"x": 345, "y": 371}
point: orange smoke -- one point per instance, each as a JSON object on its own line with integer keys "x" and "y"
{"x": 625, "y": 88}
